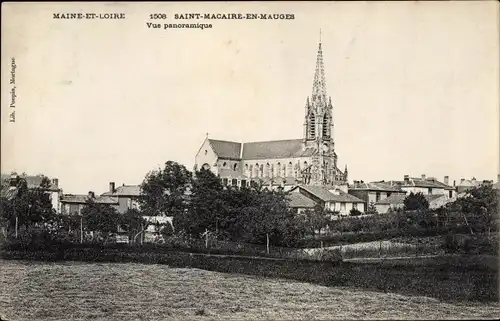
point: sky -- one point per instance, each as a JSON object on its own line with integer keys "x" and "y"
{"x": 414, "y": 85}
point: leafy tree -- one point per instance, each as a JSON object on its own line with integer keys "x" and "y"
{"x": 30, "y": 206}
{"x": 317, "y": 219}
{"x": 205, "y": 205}
{"x": 480, "y": 209}
{"x": 100, "y": 217}
{"x": 164, "y": 190}
{"x": 416, "y": 202}
{"x": 372, "y": 209}
{"x": 355, "y": 212}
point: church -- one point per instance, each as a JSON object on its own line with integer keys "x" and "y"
{"x": 310, "y": 160}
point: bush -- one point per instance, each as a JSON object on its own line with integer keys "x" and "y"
{"x": 355, "y": 212}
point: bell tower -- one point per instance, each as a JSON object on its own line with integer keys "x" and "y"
{"x": 318, "y": 128}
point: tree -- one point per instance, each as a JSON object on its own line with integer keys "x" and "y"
{"x": 416, "y": 202}
{"x": 206, "y": 205}
{"x": 480, "y": 209}
{"x": 317, "y": 219}
{"x": 355, "y": 212}
{"x": 100, "y": 217}
{"x": 133, "y": 222}
{"x": 372, "y": 209}
{"x": 164, "y": 191}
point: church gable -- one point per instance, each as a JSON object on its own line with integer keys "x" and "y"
{"x": 291, "y": 148}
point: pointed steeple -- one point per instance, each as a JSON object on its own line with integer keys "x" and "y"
{"x": 319, "y": 84}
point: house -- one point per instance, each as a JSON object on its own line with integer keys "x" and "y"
{"x": 72, "y": 204}
{"x": 467, "y": 184}
{"x": 333, "y": 198}
{"x": 424, "y": 185}
{"x": 396, "y": 201}
{"x": 49, "y": 186}
{"x": 300, "y": 203}
{"x": 373, "y": 192}
{"x": 128, "y": 196}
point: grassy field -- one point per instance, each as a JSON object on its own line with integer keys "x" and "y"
{"x": 112, "y": 291}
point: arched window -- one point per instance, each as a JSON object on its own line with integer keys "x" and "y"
{"x": 289, "y": 170}
{"x": 206, "y": 151}
{"x": 261, "y": 170}
{"x": 224, "y": 165}
{"x": 251, "y": 171}
{"x": 326, "y": 126}
{"x": 267, "y": 173}
{"x": 278, "y": 169}
{"x": 235, "y": 166}
{"x": 206, "y": 166}
{"x": 256, "y": 174}
{"x": 312, "y": 126}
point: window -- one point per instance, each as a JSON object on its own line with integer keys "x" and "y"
{"x": 326, "y": 126}
{"x": 312, "y": 126}
{"x": 389, "y": 194}
{"x": 224, "y": 165}
{"x": 235, "y": 166}
{"x": 377, "y": 197}
{"x": 429, "y": 191}
{"x": 342, "y": 206}
{"x": 243, "y": 183}
{"x": 451, "y": 194}
{"x": 355, "y": 206}
{"x": 234, "y": 182}
{"x": 224, "y": 181}
{"x": 206, "y": 151}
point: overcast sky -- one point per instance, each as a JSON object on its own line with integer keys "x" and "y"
{"x": 414, "y": 87}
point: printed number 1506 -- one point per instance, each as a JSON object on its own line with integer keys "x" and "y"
{"x": 157, "y": 16}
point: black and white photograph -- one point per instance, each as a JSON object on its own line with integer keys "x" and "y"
{"x": 281, "y": 160}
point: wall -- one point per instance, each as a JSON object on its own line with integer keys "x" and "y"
{"x": 346, "y": 208}
{"x": 209, "y": 157}
{"x": 55, "y": 200}
{"x": 284, "y": 162}
{"x": 423, "y": 190}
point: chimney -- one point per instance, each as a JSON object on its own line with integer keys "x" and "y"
{"x": 111, "y": 187}
{"x": 473, "y": 179}
{"x": 407, "y": 178}
{"x": 454, "y": 183}
{"x": 423, "y": 176}
{"x": 55, "y": 182}
{"x": 462, "y": 180}
{"x": 446, "y": 180}
{"x": 91, "y": 194}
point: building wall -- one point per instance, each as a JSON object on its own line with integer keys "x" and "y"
{"x": 423, "y": 190}
{"x": 382, "y": 208}
{"x": 344, "y": 208}
{"x": 206, "y": 155}
{"x": 278, "y": 167}
{"x": 55, "y": 200}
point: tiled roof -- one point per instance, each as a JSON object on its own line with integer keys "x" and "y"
{"x": 374, "y": 186}
{"x": 325, "y": 195}
{"x": 33, "y": 181}
{"x": 281, "y": 180}
{"x": 227, "y": 172}
{"x": 275, "y": 149}
{"x": 420, "y": 182}
{"x": 128, "y": 190}
{"x": 226, "y": 149}
{"x": 299, "y": 200}
{"x": 398, "y": 199}
{"x": 82, "y": 199}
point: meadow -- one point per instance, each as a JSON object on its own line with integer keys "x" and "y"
{"x": 132, "y": 291}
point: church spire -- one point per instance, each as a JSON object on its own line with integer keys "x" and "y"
{"x": 319, "y": 84}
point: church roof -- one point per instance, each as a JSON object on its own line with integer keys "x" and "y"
{"x": 226, "y": 149}
{"x": 276, "y": 149}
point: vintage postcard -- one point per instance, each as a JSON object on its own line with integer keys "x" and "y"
{"x": 249, "y": 160}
